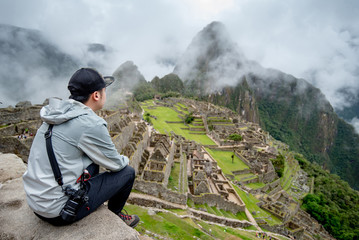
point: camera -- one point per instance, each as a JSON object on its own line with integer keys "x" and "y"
{"x": 68, "y": 213}
{"x": 77, "y": 197}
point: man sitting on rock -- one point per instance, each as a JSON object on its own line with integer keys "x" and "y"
{"x": 81, "y": 143}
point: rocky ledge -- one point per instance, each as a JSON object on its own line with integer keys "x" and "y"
{"x": 17, "y": 221}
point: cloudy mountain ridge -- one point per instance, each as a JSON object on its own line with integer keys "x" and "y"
{"x": 28, "y": 63}
{"x": 291, "y": 109}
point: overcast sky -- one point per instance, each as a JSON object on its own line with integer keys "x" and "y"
{"x": 317, "y": 40}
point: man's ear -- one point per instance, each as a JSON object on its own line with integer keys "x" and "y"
{"x": 96, "y": 95}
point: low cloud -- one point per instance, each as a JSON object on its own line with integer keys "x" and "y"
{"x": 314, "y": 40}
{"x": 355, "y": 123}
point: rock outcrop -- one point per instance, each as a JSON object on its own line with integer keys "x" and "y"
{"x": 17, "y": 221}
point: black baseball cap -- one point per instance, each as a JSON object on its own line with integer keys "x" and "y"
{"x": 86, "y": 81}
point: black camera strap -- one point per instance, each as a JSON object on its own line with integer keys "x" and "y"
{"x": 76, "y": 197}
{"x": 52, "y": 158}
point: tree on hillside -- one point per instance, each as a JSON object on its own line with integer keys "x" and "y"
{"x": 333, "y": 204}
{"x": 278, "y": 164}
{"x": 189, "y": 118}
{"x": 144, "y": 91}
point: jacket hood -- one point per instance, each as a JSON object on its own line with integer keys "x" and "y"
{"x": 59, "y": 111}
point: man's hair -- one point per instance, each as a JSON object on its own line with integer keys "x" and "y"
{"x": 81, "y": 99}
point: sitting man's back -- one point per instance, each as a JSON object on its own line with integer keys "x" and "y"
{"x": 81, "y": 143}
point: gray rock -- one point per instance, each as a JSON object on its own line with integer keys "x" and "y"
{"x": 11, "y": 167}
{"x": 23, "y": 104}
{"x": 151, "y": 212}
{"x": 17, "y": 221}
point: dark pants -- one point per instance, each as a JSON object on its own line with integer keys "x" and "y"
{"x": 112, "y": 186}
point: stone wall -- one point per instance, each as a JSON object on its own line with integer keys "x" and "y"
{"x": 221, "y": 220}
{"x": 253, "y": 180}
{"x": 122, "y": 139}
{"x": 267, "y": 187}
{"x": 154, "y": 175}
{"x": 281, "y": 229}
{"x": 169, "y": 164}
{"x": 18, "y": 128}
{"x": 136, "y": 156}
{"x": 113, "y": 118}
{"x": 244, "y": 171}
{"x": 215, "y": 200}
{"x": 21, "y": 148}
{"x": 19, "y": 114}
{"x": 182, "y": 180}
{"x": 268, "y": 176}
{"x": 158, "y": 190}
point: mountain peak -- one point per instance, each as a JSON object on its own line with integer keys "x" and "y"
{"x": 127, "y": 75}
{"x": 215, "y": 28}
{"x": 210, "y": 54}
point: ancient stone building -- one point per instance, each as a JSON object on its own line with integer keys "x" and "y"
{"x": 208, "y": 185}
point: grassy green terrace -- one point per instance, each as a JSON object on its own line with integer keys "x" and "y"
{"x": 165, "y": 115}
{"x": 224, "y": 161}
{"x": 171, "y": 225}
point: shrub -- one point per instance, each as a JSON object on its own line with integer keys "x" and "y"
{"x": 278, "y": 164}
{"x": 235, "y": 137}
{"x": 189, "y": 118}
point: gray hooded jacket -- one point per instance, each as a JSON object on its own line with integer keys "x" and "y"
{"x": 79, "y": 138}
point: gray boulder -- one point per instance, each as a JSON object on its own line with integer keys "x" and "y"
{"x": 17, "y": 221}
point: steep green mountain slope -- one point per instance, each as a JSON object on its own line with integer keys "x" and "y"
{"x": 333, "y": 203}
{"x": 291, "y": 109}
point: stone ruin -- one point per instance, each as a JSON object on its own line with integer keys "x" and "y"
{"x": 280, "y": 204}
{"x": 296, "y": 222}
{"x": 158, "y": 166}
{"x": 18, "y": 126}
{"x": 259, "y": 164}
{"x": 208, "y": 185}
{"x": 152, "y": 155}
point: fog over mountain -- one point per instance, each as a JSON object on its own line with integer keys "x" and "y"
{"x": 314, "y": 40}
{"x": 29, "y": 64}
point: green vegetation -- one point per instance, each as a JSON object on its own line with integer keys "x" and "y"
{"x": 256, "y": 185}
{"x": 246, "y": 176}
{"x": 170, "y": 94}
{"x": 218, "y": 212}
{"x": 173, "y": 180}
{"x": 166, "y": 224}
{"x": 170, "y": 226}
{"x": 235, "y": 137}
{"x": 144, "y": 91}
{"x": 180, "y": 107}
{"x": 168, "y": 86}
{"x": 224, "y": 161}
{"x": 334, "y": 204}
{"x": 344, "y": 153}
{"x": 226, "y": 232}
{"x": 251, "y": 205}
{"x": 189, "y": 118}
{"x": 278, "y": 164}
{"x": 307, "y": 135}
{"x": 147, "y": 117}
{"x": 290, "y": 168}
{"x": 218, "y": 119}
{"x": 169, "y": 83}
{"x": 164, "y": 114}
